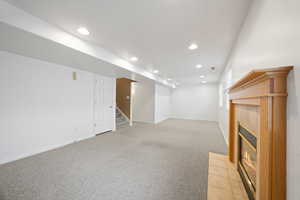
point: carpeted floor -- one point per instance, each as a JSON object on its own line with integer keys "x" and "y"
{"x": 168, "y": 161}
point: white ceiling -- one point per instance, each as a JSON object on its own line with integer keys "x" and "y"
{"x": 158, "y": 32}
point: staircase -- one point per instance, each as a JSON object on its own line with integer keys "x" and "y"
{"x": 121, "y": 120}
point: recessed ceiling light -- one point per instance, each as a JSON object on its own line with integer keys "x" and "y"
{"x": 193, "y": 46}
{"x": 202, "y": 76}
{"x": 83, "y": 31}
{"x": 155, "y": 71}
{"x": 203, "y": 81}
{"x": 134, "y": 59}
{"x": 199, "y": 66}
{"x": 169, "y": 79}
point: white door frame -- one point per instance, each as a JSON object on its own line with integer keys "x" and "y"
{"x": 131, "y": 103}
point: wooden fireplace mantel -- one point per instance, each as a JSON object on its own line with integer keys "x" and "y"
{"x": 265, "y": 91}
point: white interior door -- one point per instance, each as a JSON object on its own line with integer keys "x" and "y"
{"x": 104, "y": 104}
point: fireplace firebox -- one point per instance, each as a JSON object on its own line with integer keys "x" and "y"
{"x": 247, "y": 160}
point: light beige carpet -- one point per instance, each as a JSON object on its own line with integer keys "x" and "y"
{"x": 168, "y": 161}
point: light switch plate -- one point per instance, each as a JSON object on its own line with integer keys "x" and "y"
{"x": 74, "y": 76}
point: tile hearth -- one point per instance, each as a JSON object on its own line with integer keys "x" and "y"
{"x": 224, "y": 182}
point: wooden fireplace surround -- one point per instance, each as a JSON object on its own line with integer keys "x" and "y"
{"x": 266, "y": 91}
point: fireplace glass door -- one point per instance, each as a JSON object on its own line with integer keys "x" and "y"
{"x": 247, "y": 160}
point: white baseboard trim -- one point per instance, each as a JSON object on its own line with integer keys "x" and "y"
{"x": 25, "y": 155}
{"x": 159, "y": 121}
{"x": 205, "y": 120}
{"x": 223, "y": 133}
{"x": 147, "y": 122}
{"x": 85, "y": 138}
{"x": 43, "y": 150}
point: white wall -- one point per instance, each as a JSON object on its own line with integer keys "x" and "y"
{"x": 162, "y": 103}
{"x": 197, "y": 102}
{"x": 270, "y": 37}
{"x": 41, "y": 106}
{"x": 154, "y": 103}
{"x": 143, "y": 102}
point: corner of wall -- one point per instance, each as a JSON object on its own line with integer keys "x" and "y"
{"x": 223, "y": 133}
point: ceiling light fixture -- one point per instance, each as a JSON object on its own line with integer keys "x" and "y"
{"x": 203, "y": 82}
{"x": 169, "y": 79}
{"x": 193, "y": 46}
{"x": 83, "y": 31}
{"x": 134, "y": 59}
{"x": 155, "y": 71}
{"x": 199, "y": 66}
{"x": 202, "y": 76}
